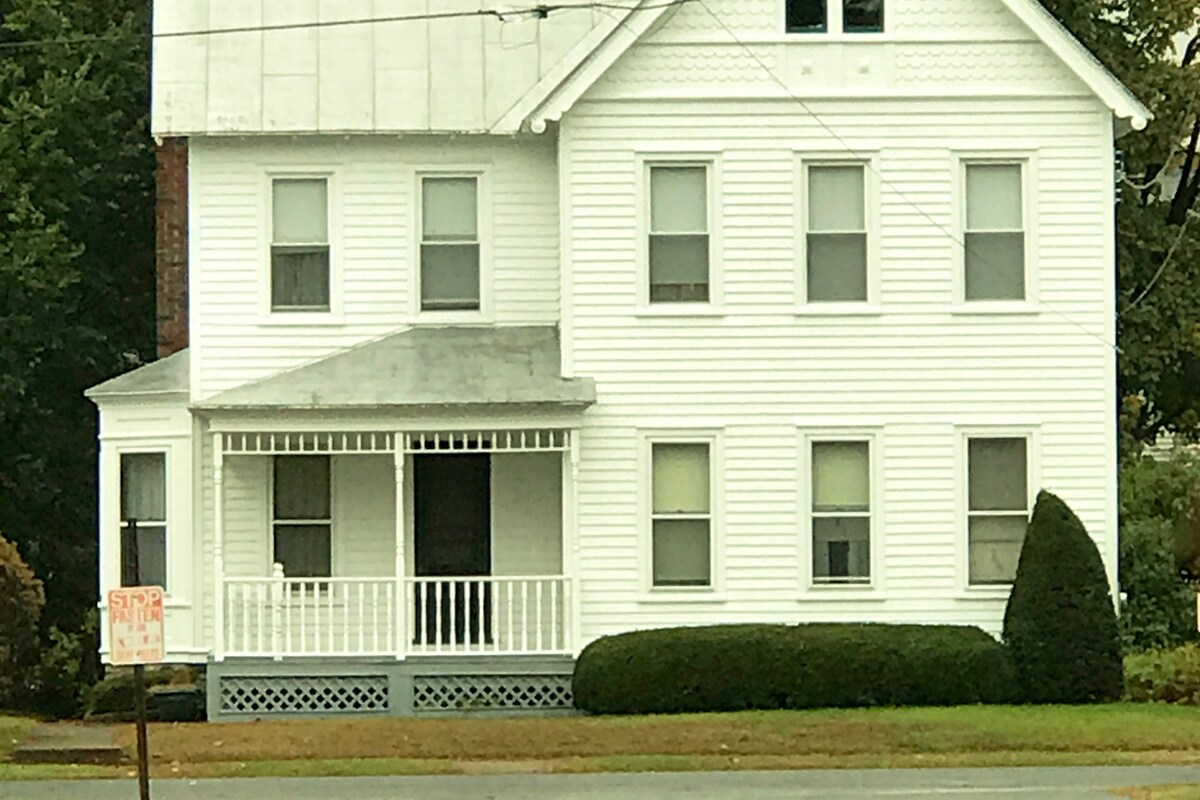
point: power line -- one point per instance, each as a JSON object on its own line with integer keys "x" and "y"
{"x": 870, "y": 166}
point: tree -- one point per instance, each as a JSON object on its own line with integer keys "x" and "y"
{"x": 21, "y": 601}
{"x": 1060, "y": 624}
{"x": 1154, "y": 47}
{"x": 76, "y": 266}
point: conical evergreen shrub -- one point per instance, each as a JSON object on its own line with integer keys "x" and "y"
{"x": 1060, "y": 625}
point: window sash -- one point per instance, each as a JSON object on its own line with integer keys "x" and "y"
{"x": 981, "y": 494}
{"x": 694, "y": 569}
{"x": 300, "y": 278}
{"x": 863, "y": 16}
{"x": 995, "y": 246}
{"x": 807, "y": 16}
{"x": 294, "y": 199}
{"x": 1003, "y": 551}
{"x": 151, "y": 555}
{"x": 143, "y": 487}
{"x": 450, "y": 249}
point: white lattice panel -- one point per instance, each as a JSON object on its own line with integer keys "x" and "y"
{"x": 473, "y": 692}
{"x": 305, "y": 694}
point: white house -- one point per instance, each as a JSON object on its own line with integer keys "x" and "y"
{"x": 488, "y": 333}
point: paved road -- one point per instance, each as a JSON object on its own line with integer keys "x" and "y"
{"x": 1082, "y": 783}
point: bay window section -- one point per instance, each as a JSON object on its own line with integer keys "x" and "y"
{"x": 144, "y": 511}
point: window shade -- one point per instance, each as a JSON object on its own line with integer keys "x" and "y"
{"x": 300, "y": 214}
{"x": 144, "y": 487}
{"x": 841, "y": 474}
{"x": 997, "y": 475}
{"x": 836, "y": 199}
{"x": 449, "y": 209}
{"x": 994, "y": 197}
{"x": 678, "y": 199}
{"x": 302, "y": 487}
{"x": 681, "y": 481}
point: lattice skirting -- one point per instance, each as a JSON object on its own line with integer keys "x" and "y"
{"x": 480, "y": 692}
{"x": 284, "y": 694}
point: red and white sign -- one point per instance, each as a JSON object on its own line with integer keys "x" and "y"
{"x": 135, "y": 625}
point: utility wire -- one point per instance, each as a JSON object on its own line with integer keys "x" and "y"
{"x": 870, "y": 166}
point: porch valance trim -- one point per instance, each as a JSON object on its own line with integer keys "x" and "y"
{"x": 536, "y": 440}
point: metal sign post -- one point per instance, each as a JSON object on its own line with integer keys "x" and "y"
{"x": 136, "y": 637}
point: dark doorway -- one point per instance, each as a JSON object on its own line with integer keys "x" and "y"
{"x": 452, "y": 531}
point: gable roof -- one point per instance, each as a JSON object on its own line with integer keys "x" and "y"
{"x": 562, "y": 87}
{"x": 425, "y": 367}
{"x": 165, "y": 376}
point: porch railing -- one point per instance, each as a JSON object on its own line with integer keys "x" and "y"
{"x": 276, "y": 617}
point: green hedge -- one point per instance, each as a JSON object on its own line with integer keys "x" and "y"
{"x": 736, "y": 667}
{"x": 1164, "y": 676}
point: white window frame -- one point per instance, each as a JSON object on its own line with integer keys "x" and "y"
{"x": 268, "y": 317}
{"x": 711, "y": 161}
{"x": 163, "y": 450}
{"x": 332, "y": 521}
{"x": 1027, "y": 159}
{"x": 810, "y": 584}
{"x": 484, "y": 216}
{"x": 872, "y": 200}
{"x": 1033, "y": 449}
{"x": 835, "y": 26}
{"x": 713, "y": 438}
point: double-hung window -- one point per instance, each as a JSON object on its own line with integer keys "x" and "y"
{"x": 994, "y": 234}
{"x": 836, "y": 239}
{"x": 812, "y": 16}
{"x": 841, "y": 511}
{"x": 450, "y": 248}
{"x": 300, "y": 244}
{"x": 997, "y": 506}
{"x": 144, "y": 510}
{"x": 679, "y": 246}
{"x": 302, "y": 521}
{"x": 681, "y": 514}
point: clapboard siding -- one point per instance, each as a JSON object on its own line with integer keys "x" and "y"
{"x": 373, "y": 248}
{"x": 762, "y": 372}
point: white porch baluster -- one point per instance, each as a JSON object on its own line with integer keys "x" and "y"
{"x": 277, "y": 595}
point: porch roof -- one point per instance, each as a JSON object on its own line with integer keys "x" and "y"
{"x": 165, "y": 376}
{"x": 435, "y": 367}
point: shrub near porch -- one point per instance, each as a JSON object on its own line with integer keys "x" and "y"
{"x": 735, "y": 667}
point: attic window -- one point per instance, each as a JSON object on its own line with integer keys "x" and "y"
{"x": 862, "y": 16}
{"x": 806, "y": 16}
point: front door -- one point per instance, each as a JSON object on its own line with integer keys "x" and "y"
{"x": 452, "y": 537}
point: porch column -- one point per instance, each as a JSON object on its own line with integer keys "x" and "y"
{"x": 219, "y": 546}
{"x": 571, "y": 557}
{"x": 400, "y": 631}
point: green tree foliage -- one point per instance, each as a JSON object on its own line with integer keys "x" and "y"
{"x": 76, "y": 267}
{"x": 21, "y": 602}
{"x": 1154, "y": 47}
{"x": 1060, "y": 625}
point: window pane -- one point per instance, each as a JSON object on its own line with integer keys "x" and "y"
{"x": 841, "y": 547}
{"x": 805, "y": 15}
{"x": 836, "y": 199}
{"x": 449, "y": 209}
{"x": 144, "y": 487}
{"x": 679, "y": 268}
{"x": 300, "y": 213}
{"x": 997, "y": 470}
{"x": 681, "y": 481}
{"x": 304, "y": 550}
{"x": 449, "y": 276}
{"x": 995, "y": 548}
{"x": 678, "y": 199}
{"x": 302, "y": 487}
{"x": 150, "y": 559}
{"x": 300, "y": 277}
{"x": 994, "y": 197}
{"x": 837, "y": 267}
{"x": 841, "y": 476}
{"x": 681, "y": 552}
{"x": 995, "y": 266}
{"x": 862, "y": 16}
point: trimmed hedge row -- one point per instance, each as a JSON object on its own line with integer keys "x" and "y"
{"x": 737, "y": 667}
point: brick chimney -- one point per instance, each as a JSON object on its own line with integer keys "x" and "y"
{"x": 171, "y": 245}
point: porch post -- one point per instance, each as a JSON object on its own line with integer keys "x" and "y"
{"x": 400, "y": 631}
{"x": 570, "y": 507}
{"x": 219, "y": 546}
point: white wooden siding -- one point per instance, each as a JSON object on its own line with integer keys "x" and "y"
{"x": 438, "y": 75}
{"x": 373, "y": 249}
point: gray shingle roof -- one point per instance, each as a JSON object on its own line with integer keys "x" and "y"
{"x": 166, "y": 376}
{"x": 459, "y": 366}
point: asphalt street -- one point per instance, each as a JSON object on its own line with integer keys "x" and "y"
{"x": 1033, "y": 783}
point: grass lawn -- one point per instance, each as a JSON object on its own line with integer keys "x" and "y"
{"x": 965, "y": 736}
{"x": 1191, "y": 792}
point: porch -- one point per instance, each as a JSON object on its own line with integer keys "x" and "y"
{"x": 353, "y": 545}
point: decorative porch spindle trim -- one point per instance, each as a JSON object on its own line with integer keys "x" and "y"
{"x": 533, "y": 440}
{"x": 305, "y": 443}
{"x": 499, "y": 441}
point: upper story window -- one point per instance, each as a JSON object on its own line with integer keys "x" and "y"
{"x": 679, "y": 247}
{"x": 300, "y": 244}
{"x": 450, "y": 249}
{"x": 144, "y": 510}
{"x": 856, "y": 16}
{"x": 836, "y": 236}
{"x": 994, "y": 235}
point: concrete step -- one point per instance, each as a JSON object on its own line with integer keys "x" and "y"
{"x": 70, "y": 743}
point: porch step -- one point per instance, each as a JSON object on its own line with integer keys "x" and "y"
{"x": 66, "y": 743}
